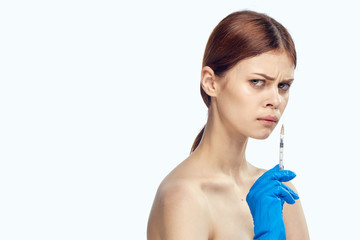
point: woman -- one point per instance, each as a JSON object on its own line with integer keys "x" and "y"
{"x": 248, "y": 67}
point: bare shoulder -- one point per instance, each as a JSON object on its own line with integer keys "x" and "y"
{"x": 294, "y": 219}
{"x": 180, "y": 187}
{"x": 179, "y": 210}
{"x": 181, "y": 192}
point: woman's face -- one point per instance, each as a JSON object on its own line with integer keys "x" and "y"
{"x": 252, "y": 96}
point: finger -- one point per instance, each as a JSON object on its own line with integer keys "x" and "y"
{"x": 267, "y": 175}
{"x": 285, "y": 195}
{"x": 283, "y": 176}
{"x": 292, "y": 192}
{"x": 274, "y": 174}
{"x": 274, "y": 169}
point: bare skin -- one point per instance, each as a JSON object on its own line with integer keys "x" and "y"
{"x": 204, "y": 197}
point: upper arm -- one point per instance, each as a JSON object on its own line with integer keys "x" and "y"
{"x": 294, "y": 219}
{"x": 180, "y": 214}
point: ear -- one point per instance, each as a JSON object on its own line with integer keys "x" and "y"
{"x": 208, "y": 81}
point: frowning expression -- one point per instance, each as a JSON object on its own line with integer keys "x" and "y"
{"x": 252, "y": 96}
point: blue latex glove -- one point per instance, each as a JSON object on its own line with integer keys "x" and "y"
{"x": 266, "y": 199}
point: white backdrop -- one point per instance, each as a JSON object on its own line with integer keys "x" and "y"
{"x": 100, "y": 100}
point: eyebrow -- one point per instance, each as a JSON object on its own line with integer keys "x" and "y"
{"x": 271, "y": 78}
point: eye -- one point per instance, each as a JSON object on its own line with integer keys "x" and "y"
{"x": 257, "y": 82}
{"x": 284, "y": 86}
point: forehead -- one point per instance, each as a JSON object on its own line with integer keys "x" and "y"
{"x": 274, "y": 64}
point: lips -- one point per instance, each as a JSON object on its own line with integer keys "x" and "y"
{"x": 269, "y": 120}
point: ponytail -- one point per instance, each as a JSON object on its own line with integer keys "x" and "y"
{"x": 197, "y": 139}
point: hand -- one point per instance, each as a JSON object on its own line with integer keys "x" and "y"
{"x": 266, "y": 199}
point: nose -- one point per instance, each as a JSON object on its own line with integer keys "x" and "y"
{"x": 274, "y": 98}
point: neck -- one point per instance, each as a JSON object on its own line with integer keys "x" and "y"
{"x": 223, "y": 150}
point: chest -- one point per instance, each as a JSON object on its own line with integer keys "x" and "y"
{"x": 230, "y": 215}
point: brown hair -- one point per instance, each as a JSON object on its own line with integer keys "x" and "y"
{"x": 241, "y": 35}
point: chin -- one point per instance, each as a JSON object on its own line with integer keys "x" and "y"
{"x": 261, "y": 136}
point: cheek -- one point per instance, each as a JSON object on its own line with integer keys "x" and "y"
{"x": 243, "y": 99}
{"x": 235, "y": 104}
{"x": 284, "y": 103}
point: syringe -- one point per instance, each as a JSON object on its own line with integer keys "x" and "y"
{"x": 281, "y": 161}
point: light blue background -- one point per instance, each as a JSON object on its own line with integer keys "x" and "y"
{"x": 99, "y": 100}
